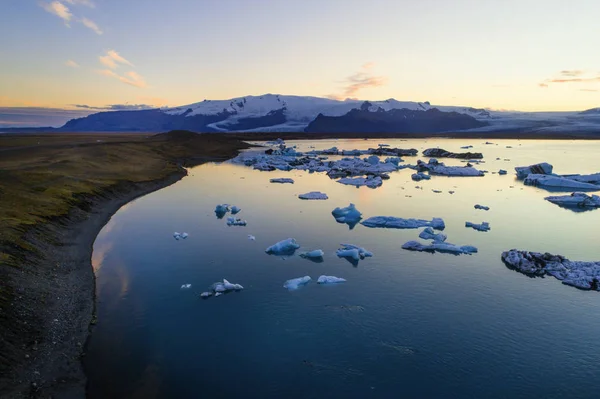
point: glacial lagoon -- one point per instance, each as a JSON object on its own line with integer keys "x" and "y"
{"x": 404, "y": 324}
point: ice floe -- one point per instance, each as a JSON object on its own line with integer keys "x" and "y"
{"x": 429, "y": 234}
{"x": 251, "y": 237}
{"x": 577, "y": 200}
{"x": 441, "y": 153}
{"x": 391, "y": 222}
{"x": 539, "y": 169}
{"x": 558, "y": 183}
{"x": 206, "y": 294}
{"x": 283, "y": 247}
{"x": 330, "y": 280}
{"x": 484, "y": 226}
{"x": 502, "y": 172}
{"x": 221, "y": 210}
{"x": 420, "y": 176}
{"x": 348, "y": 215}
{"x": 186, "y": 286}
{"x": 439, "y": 168}
{"x": 179, "y": 236}
{"x": 282, "y": 180}
{"x": 315, "y": 254}
{"x": 583, "y": 275}
{"x": 295, "y": 283}
{"x": 221, "y": 287}
{"x": 593, "y": 178}
{"x": 443, "y": 247}
{"x": 235, "y": 210}
{"x": 369, "y": 181}
{"x": 232, "y": 221}
{"x": 353, "y": 251}
{"x": 482, "y": 207}
{"x": 313, "y": 195}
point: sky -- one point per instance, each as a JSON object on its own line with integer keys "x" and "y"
{"x": 90, "y": 55}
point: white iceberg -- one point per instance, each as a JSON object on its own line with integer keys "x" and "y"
{"x": 482, "y": 207}
{"x": 283, "y": 247}
{"x": 443, "y": 247}
{"x": 295, "y": 283}
{"x": 225, "y": 286}
{"x": 313, "y": 195}
{"x": 540, "y": 169}
{"x": 206, "y": 294}
{"x": 353, "y": 251}
{"x": 400, "y": 223}
{"x": 235, "y": 209}
{"x": 221, "y": 210}
{"x": 438, "y": 168}
{"x": 429, "y": 234}
{"x": 558, "y": 182}
{"x": 330, "y": 280}
{"x": 232, "y": 221}
{"x": 420, "y": 176}
{"x": 186, "y": 286}
{"x": 484, "y": 226}
{"x": 349, "y": 215}
{"x": 251, "y": 237}
{"x": 179, "y": 236}
{"x": 317, "y": 253}
{"x": 578, "y": 200}
{"x": 282, "y": 180}
{"x": 583, "y": 275}
{"x": 370, "y": 181}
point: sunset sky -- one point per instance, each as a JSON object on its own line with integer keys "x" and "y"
{"x": 519, "y": 55}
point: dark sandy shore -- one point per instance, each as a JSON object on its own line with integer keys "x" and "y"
{"x": 48, "y": 289}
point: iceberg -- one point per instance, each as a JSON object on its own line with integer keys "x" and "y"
{"x": 283, "y": 247}
{"x": 295, "y": 283}
{"x": 429, "y": 234}
{"x": 186, "y": 286}
{"x": 583, "y": 275}
{"x": 235, "y": 209}
{"x": 482, "y": 207}
{"x": 330, "y": 280}
{"x": 441, "y": 153}
{"x": 179, "y": 236}
{"x": 502, "y": 172}
{"x": 370, "y": 181}
{"x": 576, "y": 200}
{"x": 353, "y": 251}
{"x": 251, "y": 237}
{"x": 391, "y": 222}
{"x": 443, "y": 247}
{"x": 317, "y": 253}
{"x": 484, "y": 226}
{"x": 219, "y": 288}
{"x": 232, "y": 221}
{"x": 313, "y": 195}
{"x": 348, "y": 215}
{"x": 420, "y": 176}
{"x": 466, "y": 147}
{"x": 221, "y": 210}
{"x": 438, "y": 168}
{"x": 539, "y": 169}
{"x": 594, "y": 178}
{"x": 282, "y": 180}
{"x": 206, "y": 294}
{"x": 558, "y": 183}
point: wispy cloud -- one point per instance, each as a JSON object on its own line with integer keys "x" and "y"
{"x": 91, "y": 25}
{"x": 131, "y": 78}
{"x": 72, "y": 64}
{"x": 116, "y": 107}
{"x": 59, "y": 9}
{"x": 361, "y": 80}
{"x": 572, "y": 73}
{"x": 88, "y": 3}
{"x": 112, "y": 59}
{"x": 572, "y": 76}
{"x": 543, "y": 85}
{"x": 591, "y": 90}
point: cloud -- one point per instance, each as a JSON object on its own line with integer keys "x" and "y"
{"x": 112, "y": 59}
{"x": 572, "y": 73}
{"x": 116, "y": 107}
{"x": 92, "y": 25}
{"x": 572, "y": 76}
{"x": 88, "y": 3}
{"x": 72, "y": 64}
{"x": 130, "y": 78}
{"x": 59, "y": 9}
{"x": 359, "y": 81}
{"x": 543, "y": 85}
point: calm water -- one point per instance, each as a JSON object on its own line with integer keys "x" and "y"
{"x": 405, "y": 324}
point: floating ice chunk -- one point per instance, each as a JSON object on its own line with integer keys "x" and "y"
{"x": 283, "y": 247}
{"x": 558, "y": 182}
{"x": 218, "y": 294}
{"x": 443, "y": 247}
{"x": 583, "y": 275}
{"x": 282, "y": 180}
{"x": 438, "y": 168}
{"x": 441, "y": 153}
{"x": 369, "y": 181}
{"x": 349, "y": 215}
{"x": 484, "y": 226}
{"x": 593, "y": 178}
{"x": 578, "y": 200}
{"x": 330, "y": 280}
{"x": 429, "y": 234}
{"x": 206, "y": 294}
{"x": 466, "y": 147}
{"x": 502, "y": 172}
{"x": 482, "y": 207}
{"x": 221, "y": 210}
{"x": 420, "y": 176}
{"x": 295, "y": 283}
{"x": 353, "y": 251}
{"x": 179, "y": 236}
{"x": 184, "y": 235}
{"x": 186, "y": 286}
{"x": 437, "y": 191}
{"x": 251, "y": 237}
{"x": 539, "y": 169}
{"x": 231, "y": 221}
{"x": 317, "y": 253}
{"x": 224, "y": 286}
{"x": 313, "y": 195}
{"x": 235, "y": 209}
{"x": 391, "y": 222}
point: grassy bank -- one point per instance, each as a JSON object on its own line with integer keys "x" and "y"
{"x": 47, "y": 183}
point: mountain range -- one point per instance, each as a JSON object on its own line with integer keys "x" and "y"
{"x": 282, "y": 113}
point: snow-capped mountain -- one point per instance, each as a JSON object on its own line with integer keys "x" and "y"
{"x": 282, "y": 113}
